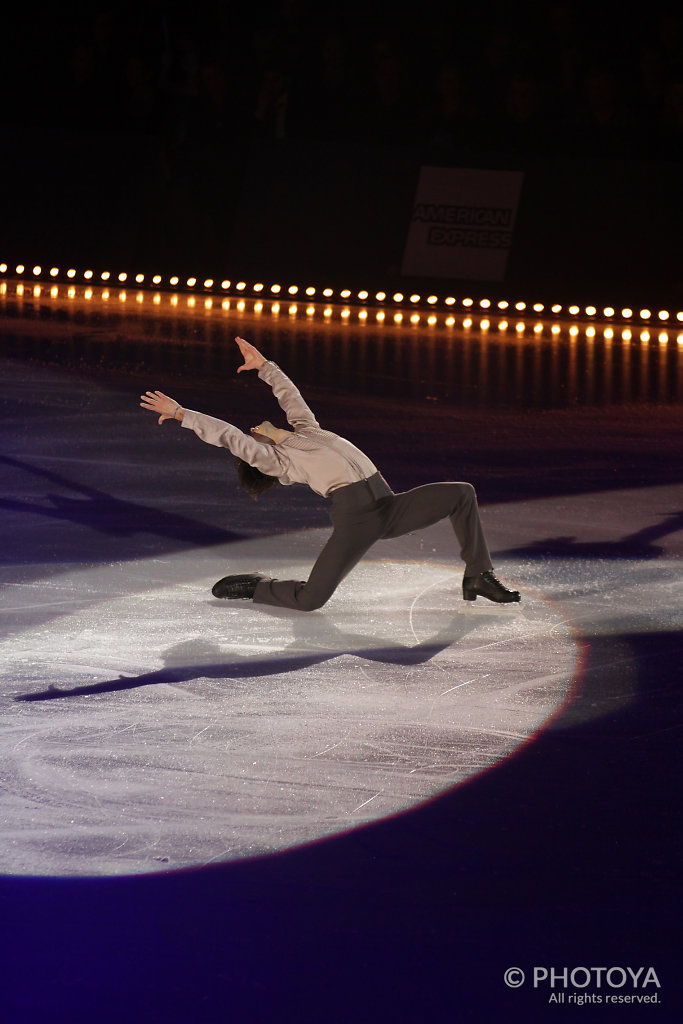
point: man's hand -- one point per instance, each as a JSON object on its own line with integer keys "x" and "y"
{"x": 157, "y": 401}
{"x": 253, "y": 360}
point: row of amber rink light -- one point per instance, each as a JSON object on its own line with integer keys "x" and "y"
{"x": 394, "y": 311}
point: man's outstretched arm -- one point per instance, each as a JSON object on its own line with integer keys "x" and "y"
{"x": 215, "y": 432}
{"x": 288, "y": 395}
{"x": 253, "y": 360}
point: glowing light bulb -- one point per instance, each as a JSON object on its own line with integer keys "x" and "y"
{"x": 485, "y": 303}
{"x": 591, "y": 310}
{"x": 381, "y": 296}
{"x": 240, "y": 286}
{"x": 608, "y": 311}
{"x": 123, "y": 277}
{"x": 520, "y": 306}
{"x": 225, "y": 285}
{"x": 663, "y": 314}
{"x": 574, "y": 310}
{"x": 556, "y": 309}
{"x": 191, "y": 282}
{"x": 345, "y": 293}
{"x": 310, "y": 291}
{"x": 54, "y": 271}
{"x": 468, "y": 302}
{"x": 538, "y": 307}
{"x": 208, "y": 283}
{"x": 71, "y": 272}
{"x": 645, "y": 314}
{"x": 450, "y": 301}
{"x": 276, "y": 289}
{"x": 20, "y": 269}
{"x": 627, "y": 312}
{"x": 258, "y": 287}
{"x": 362, "y": 296}
{"x": 414, "y": 298}
{"x": 398, "y": 297}
{"x": 432, "y": 299}
{"x": 328, "y": 293}
{"x": 156, "y": 279}
{"x": 293, "y": 289}
{"x": 88, "y": 275}
{"x": 37, "y": 271}
{"x": 105, "y": 275}
{"x": 174, "y": 281}
{"x": 139, "y": 278}
{"x": 503, "y": 304}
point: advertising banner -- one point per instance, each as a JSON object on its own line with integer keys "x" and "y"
{"x": 462, "y": 223}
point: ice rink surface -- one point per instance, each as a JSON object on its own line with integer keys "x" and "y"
{"x": 174, "y": 730}
{"x": 513, "y": 768}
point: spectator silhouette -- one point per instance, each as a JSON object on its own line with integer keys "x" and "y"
{"x": 602, "y": 125}
{"x": 452, "y": 124}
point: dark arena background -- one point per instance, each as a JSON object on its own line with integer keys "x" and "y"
{"x": 459, "y": 232}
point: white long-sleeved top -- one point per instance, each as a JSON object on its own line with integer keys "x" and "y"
{"x": 311, "y": 455}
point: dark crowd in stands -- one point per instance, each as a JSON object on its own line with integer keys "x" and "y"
{"x": 521, "y": 80}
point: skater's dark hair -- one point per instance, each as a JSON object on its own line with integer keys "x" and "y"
{"x": 252, "y": 480}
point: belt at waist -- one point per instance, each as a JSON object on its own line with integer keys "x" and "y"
{"x": 362, "y": 492}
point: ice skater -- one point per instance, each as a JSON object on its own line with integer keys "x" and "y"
{"x": 363, "y": 509}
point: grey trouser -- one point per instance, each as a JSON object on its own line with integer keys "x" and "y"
{"x": 368, "y": 511}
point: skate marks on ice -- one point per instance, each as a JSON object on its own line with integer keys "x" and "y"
{"x": 149, "y": 726}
